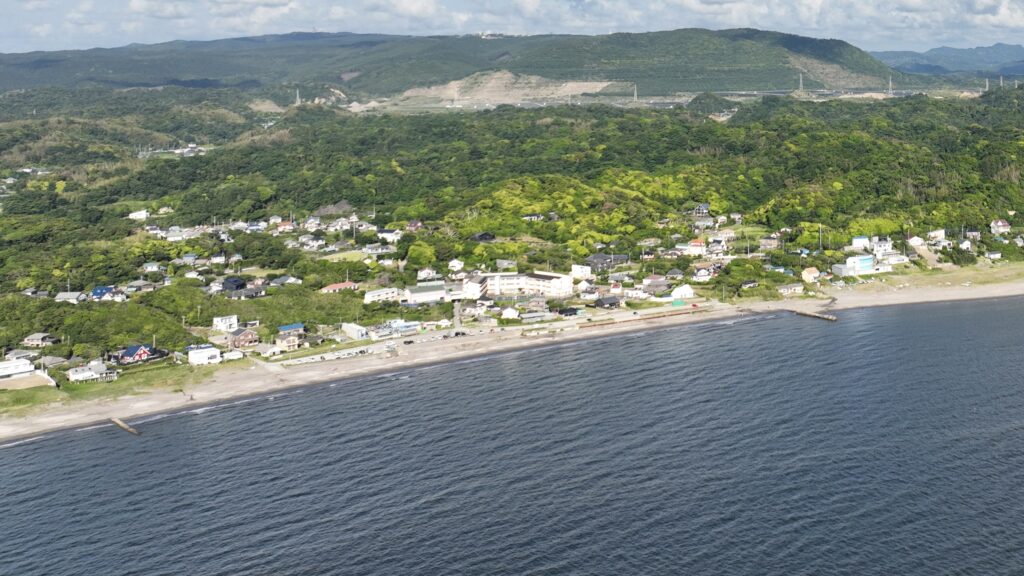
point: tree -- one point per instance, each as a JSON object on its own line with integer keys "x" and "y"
{"x": 421, "y": 254}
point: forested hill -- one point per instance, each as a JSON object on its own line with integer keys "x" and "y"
{"x": 373, "y": 65}
{"x": 998, "y": 58}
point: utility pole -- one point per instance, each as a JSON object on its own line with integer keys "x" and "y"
{"x": 801, "y": 81}
{"x": 890, "y": 85}
{"x": 636, "y": 94}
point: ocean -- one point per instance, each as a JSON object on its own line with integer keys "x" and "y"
{"x": 890, "y": 442}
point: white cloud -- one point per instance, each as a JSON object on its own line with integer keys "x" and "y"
{"x": 169, "y": 10}
{"x": 40, "y": 30}
{"x": 873, "y": 24}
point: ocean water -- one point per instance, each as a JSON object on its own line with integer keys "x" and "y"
{"x": 891, "y": 442}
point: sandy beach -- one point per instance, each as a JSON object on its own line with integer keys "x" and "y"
{"x": 255, "y": 377}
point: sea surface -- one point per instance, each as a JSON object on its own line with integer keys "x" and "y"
{"x": 890, "y": 443}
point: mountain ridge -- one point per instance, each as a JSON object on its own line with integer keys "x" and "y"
{"x": 660, "y": 63}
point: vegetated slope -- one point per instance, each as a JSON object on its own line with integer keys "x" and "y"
{"x": 369, "y": 64}
{"x": 945, "y": 59}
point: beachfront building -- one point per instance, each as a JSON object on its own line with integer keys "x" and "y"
{"x": 547, "y": 284}
{"x": 14, "y": 369}
{"x": 95, "y": 370}
{"x": 355, "y": 331}
{"x": 203, "y": 356}
{"x": 290, "y": 337}
{"x": 861, "y": 266}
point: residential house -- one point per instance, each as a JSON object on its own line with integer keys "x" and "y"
{"x": 232, "y": 284}
{"x": 99, "y": 292}
{"x": 290, "y": 336}
{"x": 655, "y": 284}
{"x": 703, "y": 223}
{"x": 601, "y": 262}
{"x": 427, "y": 274}
{"x": 139, "y": 286}
{"x": 608, "y": 302}
{"x": 139, "y": 215}
{"x": 749, "y": 284}
{"x": 675, "y": 274}
{"x": 242, "y": 338}
{"x": 973, "y": 235}
{"x": 268, "y": 350}
{"x": 999, "y": 226}
{"x": 702, "y": 275}
{"x": 501, "y": 264}
{"x": 18, "y": 354}
{"x": 225, "y": 323}
{"x": 39, "y": 340}
{"x": 456, "y": 265}
{"x": 95, "y": 370}
{"x": 810, "y": 275}
{"x": 736, "y": 217}
{"x": 284, "y": 281}
{"x": 71, "y": 297}
{"x": 695, "y": 248}
{"x": 772, "y": 242}
{"x": 137, "y": 355}
{"x": 378, "y": 249}
{"x": 965, "y": 245}
{"x": 992, "y": 255}
{"x": 860, "y": 243}
{"x": 339, "y": 287}
{"x": 247, "y": 293}
{"x": 390, "y": 236}
{"x": 509, "y": 313}
{"x": 702, "y": 209}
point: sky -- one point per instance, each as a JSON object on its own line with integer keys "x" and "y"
{"x": 870, "y": 24}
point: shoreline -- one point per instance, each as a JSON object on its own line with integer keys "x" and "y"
{"x": 244, "y": 383}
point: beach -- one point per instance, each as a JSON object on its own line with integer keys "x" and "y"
{"x": 255, "y": 377}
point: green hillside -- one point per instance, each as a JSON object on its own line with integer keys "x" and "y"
{"x": 372, "y": 65}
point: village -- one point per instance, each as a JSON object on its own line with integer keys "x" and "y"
{"x": 495, "y": 296}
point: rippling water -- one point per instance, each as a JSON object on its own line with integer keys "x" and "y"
{"x": 891, "y": 442}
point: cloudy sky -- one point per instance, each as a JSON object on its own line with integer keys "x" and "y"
{"x": 872, "y": 24}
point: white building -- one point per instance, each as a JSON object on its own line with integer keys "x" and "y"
{"x": 225, "y": 323}
{"x": 860, "y": 266}
{"x": 13, "y": 369}
{"x": 382, "y": 295}
{"x": 683, "y": 292}
{"x": 204, "y": 356}
{"x": 860, "y": 243}
{"x": 95, "y": 370}
{"x": 581, "y": 272}
{"x": 390, "y": 236}
{"x": 509, "y": 314}
{"x": 456, "y": 265}
{"x": 355, "y": 331}
{"x": 999, "y": 226}
{"x": 425, "y": 294}
{"x": 139, "y": 216}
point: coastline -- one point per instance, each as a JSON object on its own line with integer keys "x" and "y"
{"x": 260, "y": 378}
